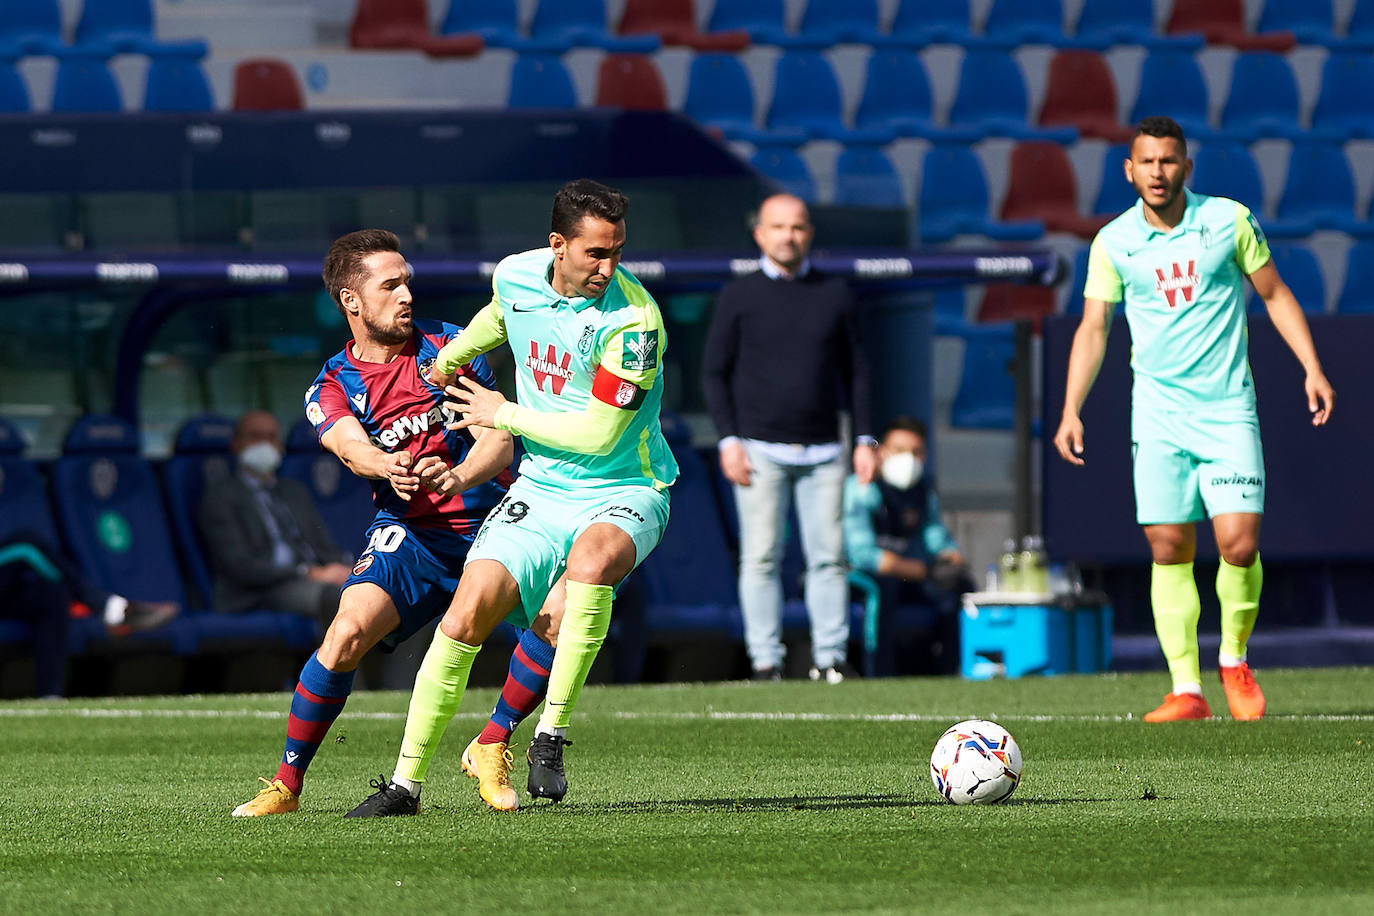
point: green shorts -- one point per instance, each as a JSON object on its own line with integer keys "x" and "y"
{"x": 1192, "y": 465}
{"x": 531, "y": 531}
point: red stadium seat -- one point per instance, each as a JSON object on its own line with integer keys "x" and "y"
{"x": 1222, "y": 22}
{"x": 675, "y": 22}
{"x": 404, "y": 24}
{"x": 266, "y": 84}
{"x": 1041, "y": 186}
{"x": 630, "y": 81}
{"x": 1014, "y": 301}
{"x": 1081, "y": 93}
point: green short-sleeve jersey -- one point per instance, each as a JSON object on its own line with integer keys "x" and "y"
{"x": 1184, "y": 297}
{"x": 569, "y": 350}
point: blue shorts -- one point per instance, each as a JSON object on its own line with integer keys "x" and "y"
{"x": 417, "y": 567}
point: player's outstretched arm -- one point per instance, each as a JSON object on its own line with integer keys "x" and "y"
{"x": 593, "y": 430}
{"x": 1288, "y": 318}
{"x": 1085, "y": 359}
{"x": 486, "y": 331}
{"x": 348, "y": 440}
{"x": 490, "y": 455}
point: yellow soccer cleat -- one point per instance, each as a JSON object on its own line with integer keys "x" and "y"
{"x": 491, "y": 764}
{"x": 275, "y": 799}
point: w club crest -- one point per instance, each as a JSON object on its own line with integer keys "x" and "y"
{"x": 1178, "y": 281}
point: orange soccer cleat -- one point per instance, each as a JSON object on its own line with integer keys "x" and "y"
{"x": 1178, "y": 707}
{"x": 1243, "y": 695}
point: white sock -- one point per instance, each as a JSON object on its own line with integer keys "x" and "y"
{"x": 1229, "y": 661}
{"x": 542, "y": 729}
{"x": 1194, "y": 689}
{"x": 115, "y": 608}
{"x": 411, "y": 788}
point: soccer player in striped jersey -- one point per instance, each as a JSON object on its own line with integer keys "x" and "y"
{"x": 1176, "y": 262}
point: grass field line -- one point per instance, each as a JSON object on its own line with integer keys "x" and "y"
{"x": 95, "y": 712}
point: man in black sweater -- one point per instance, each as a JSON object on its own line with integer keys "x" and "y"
{"x": 783, "y": 359}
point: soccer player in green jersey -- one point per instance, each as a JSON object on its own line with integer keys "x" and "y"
{"x": 592, "y": 498}
{"x": 1175, "y": 261}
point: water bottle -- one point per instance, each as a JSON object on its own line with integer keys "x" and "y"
{"x": 1008, "y": 568}
{"x": 1034, "y": 570}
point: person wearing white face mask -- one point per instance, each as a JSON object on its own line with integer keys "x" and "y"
{"x": 269, "y": 546}
{"x": 893, "y": 531}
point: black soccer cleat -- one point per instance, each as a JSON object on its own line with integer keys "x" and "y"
{"x": 547, "y": 779}
{"x": 387, "y": 801}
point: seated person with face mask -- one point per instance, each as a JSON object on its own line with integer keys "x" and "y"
{"x": 268, "y": 545}
{"x": 893, "y": 532}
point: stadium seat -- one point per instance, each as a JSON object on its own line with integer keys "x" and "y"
{"x": 1227, "y": 169}
{"x": 1041, "y": 187}
{"x": 1263, "y": 101}
{"x": 23, "y": 498}
{"x": 949, "y": 306}
{"x": 177, "y": 84}
{"x": 1321, "y": 188}
{"x": 1080, "y": 92}
{"x": 987, "y": 389}
{"x": 402, "y": 24}
{"x": 674, "y": 22}
{"x": 954, "y": 199}
{"x": 267, "y": 84}
{"x": 1127, "y": 22}
{"x": 1222, "y": 22}
{"x": 497, "y": 23}
{"x": 896, "y": 95}
{"x": 806, "y": 98}
{"x": 865, "y": 177}
{"x": 1171, "y": 83}
{"x": 31, "y": 26}
{"x": 786, "y": 168}
{"x": 344, "y": 499}
{"x": 14, "y": 92}
{"x": 1115, "y": 194}
{"x": 831, "y": 22}
{"x": 1345, "y": 106}
{"x": 200, "y": 458}
{"x": 1078, "y": 276}
{"x": 1016, "y": 302}
{"x": 993, "y": 100}
{"x": 124, "y": 24}
{"x": 1025, "y": 22}
{"x": 720, "y": 96}
{"x": 541, "y": 81}
{"x": 632, "y": 82}
{"x": 1359, "y": 29}
{"x": 930, "y": 22}
{"x": 1357, "y": 292}
{"x": 582, "y": 23}
{"x": 764, "y": 21}
{"x": 1311, "y": 21}
{"x": 1299, "y": 268}
{"x": 85, "y": 84}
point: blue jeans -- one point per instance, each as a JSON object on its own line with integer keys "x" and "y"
{"x": 763, "y": 505}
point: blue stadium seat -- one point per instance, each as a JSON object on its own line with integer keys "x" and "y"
{"x": 582, "y": 23}
{"x": 787, "y": 169}
{"x": 1359, "y": 29}
{"x": 954, "y": 199}
{"x": 126, "y": 24}
{"x": 830, "y": 22}
{"x": 84, "y": 84}
{"x": 1078, "y": 276}
{"x": 200, "y": 458}
{"x": 931, "y": 22}
{"x": 1226, "y": 169}
{"x": 23, "y": 498}
{"x": 1127, "y": 22}
{"x": 987, "y": 390}
{"x": 897, "y": 95}
{"x": 344, "y": 499}
{"x": 1115, "y": 195}
{"x": 14, "y": 93}
{"x": 1263, "y": 101}
{"x": 541, "y": 81}
{"x": 1321, "y": 188}
{"x": 1345, "y": 105}
{"x": 1357, "y": 292}
{"x": 806, "y": 98}
{"x": 32, "y": 26}
{"x": 1312, "y": 21}
{"x": 1301, "y": 270}
{"x": 1025, "y": 22}
{"x": 498, "y": 22}
{"x": 177, "y": 83}
{"x": 719, "y": 95}
{"x": 1171, "y": 83}
{"x": 950, "y": 309}
{"x": 764, "y": 20}
{"x": 993, "y": 100}
{"x": 865, "y": 177}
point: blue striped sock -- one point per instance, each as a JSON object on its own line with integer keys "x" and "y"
{"x": 524, "y": 690}
{"x": 319, "y": 698}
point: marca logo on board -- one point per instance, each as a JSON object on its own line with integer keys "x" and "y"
{"x": 1177, "y": 281}
{"x": 551, "y": 367}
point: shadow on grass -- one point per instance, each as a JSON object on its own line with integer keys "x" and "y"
{"x": 787, "y": 803}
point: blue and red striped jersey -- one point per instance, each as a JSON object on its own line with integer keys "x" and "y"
{"x": 400, "y": 409}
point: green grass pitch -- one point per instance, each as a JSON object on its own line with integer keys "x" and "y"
{"x": 776, "y": 798}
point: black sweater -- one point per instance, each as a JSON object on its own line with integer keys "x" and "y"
{"x": 783, "y": 358}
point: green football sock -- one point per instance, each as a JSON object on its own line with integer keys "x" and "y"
{"x": 586, "y": 618}
{"x": 1238, "y": 591}
{"x": 438, "y": 693}
{"x": 1173, "y": 593}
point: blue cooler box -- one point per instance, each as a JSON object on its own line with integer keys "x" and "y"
{"x": 1007, "y": 634}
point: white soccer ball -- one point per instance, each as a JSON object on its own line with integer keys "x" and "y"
{"x": 975, "y": 763}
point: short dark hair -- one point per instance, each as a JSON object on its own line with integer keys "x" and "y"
{"x": 1160, "y": 126}
{"x": 584, "y": 197}
{"x": 907, "y": 424}
{"x": 343, "y": 263}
